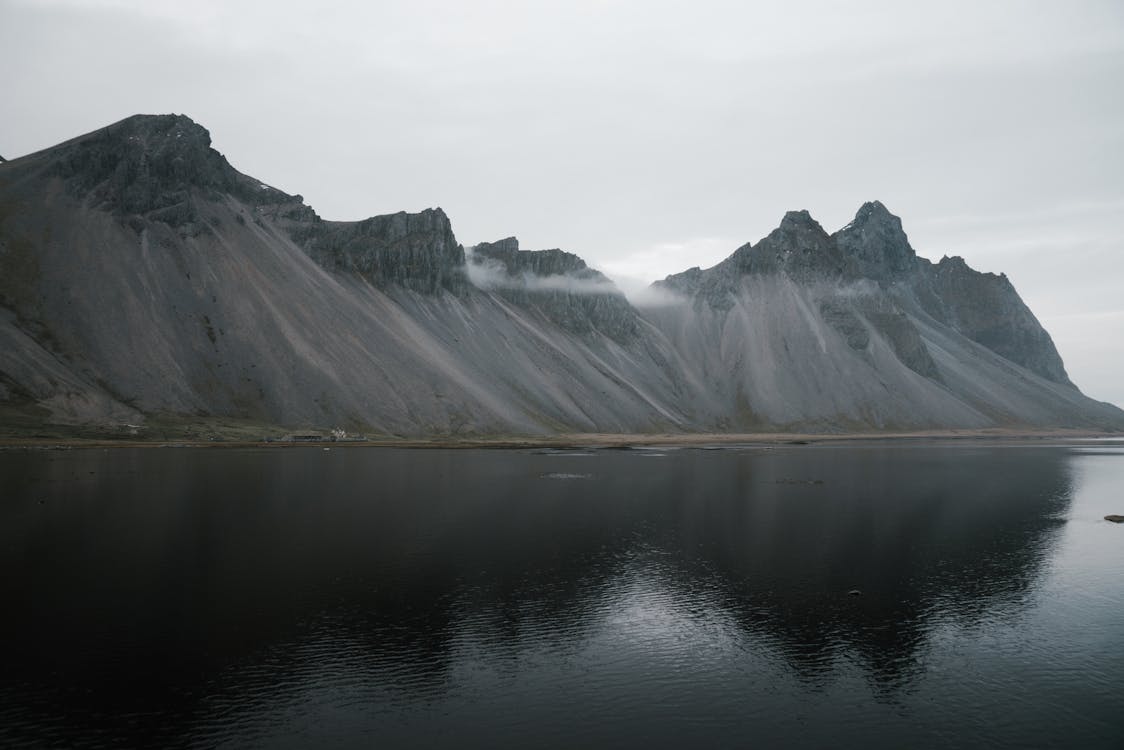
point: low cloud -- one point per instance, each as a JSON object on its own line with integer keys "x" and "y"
{"x": 641, "y": 293}
{"x": 490, "y": 274}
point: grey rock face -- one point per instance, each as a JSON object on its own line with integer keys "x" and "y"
{"x": 900, "y": 332}
{"x": 875, "y": 245}
{"x": 846, "y": 321}
{"x": 687, "y": 282}
{"x": 799, "y": 248}
{"x": 151, "y": 165}
{"x": 987, "y": 309}
{"x": 856, "y": 320}
{"x": 537, "y": 262}
{"x": 573, "y": 296}
{"x": 414, "y": 251}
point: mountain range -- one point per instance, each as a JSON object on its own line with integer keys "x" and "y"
{"x": 144, "y": 281}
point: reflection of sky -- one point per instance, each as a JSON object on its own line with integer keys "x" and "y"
{"x": 706, "y": 594}
{"x": 672, "y": 640}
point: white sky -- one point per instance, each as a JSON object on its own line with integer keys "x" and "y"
{"x": 646, "y": 136}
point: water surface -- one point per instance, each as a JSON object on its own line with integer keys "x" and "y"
{"x": 643, "y": 598}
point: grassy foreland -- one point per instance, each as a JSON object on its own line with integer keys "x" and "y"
{"x": 217, "y": 433}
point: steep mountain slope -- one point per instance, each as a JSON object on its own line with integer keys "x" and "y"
{"x": 142, "y": 277}
{"x": 806, "y": 328}
{"x": 141, "y": 274}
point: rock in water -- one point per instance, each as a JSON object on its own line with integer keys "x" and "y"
{"x": 1114, "y": 518}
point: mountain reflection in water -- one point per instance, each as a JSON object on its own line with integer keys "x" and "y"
{"x": 303, "y": 597}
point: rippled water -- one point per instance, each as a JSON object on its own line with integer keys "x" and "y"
{"x": 868, "y": 594}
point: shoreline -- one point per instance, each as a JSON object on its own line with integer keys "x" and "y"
{"x": 585, "y": 440}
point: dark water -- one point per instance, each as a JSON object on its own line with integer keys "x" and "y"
{"x": 681, "y": 598}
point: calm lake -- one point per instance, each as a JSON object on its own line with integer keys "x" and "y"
{"x": 362, "y": 597}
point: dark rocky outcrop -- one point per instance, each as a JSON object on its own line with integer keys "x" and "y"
{"x": 539, "y": 263}
{"x": 161, "y": 168}
{"x": 982, "y": 306}
{"x": 798, "y": 248}
{"x": 155, "y": 167}
{"x": 874, "y": 245}
{"x": 986, "y": 308}
{"x": 414, "y": 251}
{"x": 575, "y": 297}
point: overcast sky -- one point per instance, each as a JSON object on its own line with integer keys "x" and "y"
{"x": 645, "y": 136}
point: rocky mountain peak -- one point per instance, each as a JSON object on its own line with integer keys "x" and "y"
{"x": 151, "y": 165}
{"x": 799, "y": 247}
{"x": 875, "y": 211}
{"x": 984, "y": 307}
{"x": 798, "y": 231}
{"x": 171, "y": 149}
{"x": 165, "y": 130}
{"x": 876, "y": 243}
{"x": 799, "y": 220}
